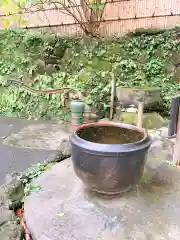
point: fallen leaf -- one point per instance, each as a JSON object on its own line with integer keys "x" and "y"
{"x": 60, "y": 214}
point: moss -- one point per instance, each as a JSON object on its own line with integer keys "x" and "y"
{"x": 150, "y": 120}
{"x": 148, "y": 31}
{"x": 97, "y": 64}
{"x": 147, "y": 89}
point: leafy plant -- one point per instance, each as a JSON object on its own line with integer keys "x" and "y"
{"x": 47, "y": 61}
{"x": 32, "y": 173}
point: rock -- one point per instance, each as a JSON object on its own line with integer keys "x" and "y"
{"x": 161, "y": 146}
{"x": 150, "y": 120}
{"x": 11, "y": 231}
{"x": 39, "y": 136}
{"x": 164, "y": 132}
{"x": 9, "y": 226}
{"x": 153, "y": 120}
{"x": 14, "y": 189}
{"x": 64, "y": 150}
{"x": 3, "y": 197}
{"x": 127, "y": 117}
{"x": 5, "y": 215}
{"x": 155, "y": 135}
{"x": 132, "y": 109}
{"x": 64, "y": 209}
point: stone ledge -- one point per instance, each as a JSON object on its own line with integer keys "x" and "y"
{"x": 65, "y": 210}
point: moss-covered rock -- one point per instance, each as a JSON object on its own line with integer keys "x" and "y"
{"x": 150, "y": 120}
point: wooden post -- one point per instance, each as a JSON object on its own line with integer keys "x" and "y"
{"x": 176, "y": 154}
{"x": 140, "y": 114}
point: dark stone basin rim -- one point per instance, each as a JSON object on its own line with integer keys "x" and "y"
{"x": 146, "y": 89}
{"x": 111, "y": 148}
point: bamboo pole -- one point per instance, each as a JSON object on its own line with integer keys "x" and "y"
{"x": 113, "y": 93}
{"x": 140, "y": 114}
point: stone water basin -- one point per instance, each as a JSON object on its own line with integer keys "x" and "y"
{"x": 109, "y": 157}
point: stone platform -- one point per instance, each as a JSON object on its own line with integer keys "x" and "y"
{"x": 64, "y": 210}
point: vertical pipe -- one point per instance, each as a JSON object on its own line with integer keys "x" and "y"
{"x": 176, "y": 154}
{"x": 172, "y": 128}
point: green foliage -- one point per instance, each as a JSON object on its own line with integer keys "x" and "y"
{"x": 46, "y": 61}
{"x": 157, "y": 53}
{"x": 32, "y": 173}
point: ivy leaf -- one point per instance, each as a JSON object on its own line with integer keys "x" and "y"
{"x": 35, "y": 188}
{"x": 99, "y": 6}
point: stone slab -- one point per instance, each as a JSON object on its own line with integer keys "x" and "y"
{"x": 65, "y": 210}
{"x": 38, "y": 136}
{"x": 19, "y": 158}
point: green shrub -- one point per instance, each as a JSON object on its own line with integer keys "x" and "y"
{"x": 47, "y": 61}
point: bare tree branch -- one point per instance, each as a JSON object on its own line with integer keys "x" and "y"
{"x": 88, "y": 15}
